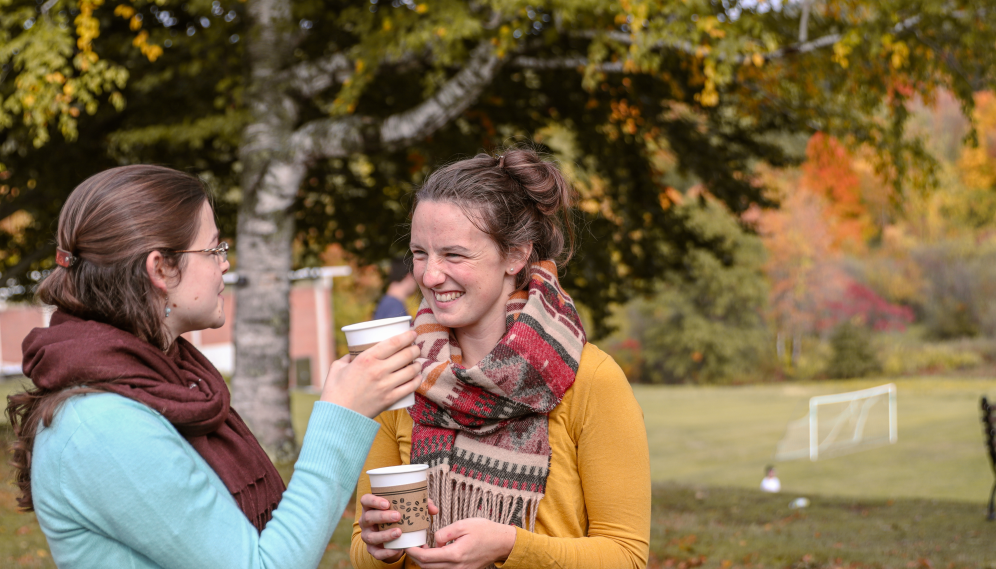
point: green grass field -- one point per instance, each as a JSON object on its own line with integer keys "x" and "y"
{"x": 919, "y": 503}
{"x": 724, "y": 436}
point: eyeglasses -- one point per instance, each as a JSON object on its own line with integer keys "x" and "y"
{"x": 221, "y": 251}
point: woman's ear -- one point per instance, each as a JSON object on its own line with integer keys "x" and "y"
{"x": 518, "y": 257}
{"x": 155, "y": 266}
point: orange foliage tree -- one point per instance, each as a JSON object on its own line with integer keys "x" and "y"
{"x": 830, "y": 173}
{"x": 977, "y": 165}
{"x": 803, "y": 265}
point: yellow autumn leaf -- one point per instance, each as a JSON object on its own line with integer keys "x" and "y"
{"x": 421, "y": 9}
{"x": 152, "y": 52}
{"x": 135, "y": 24}
{"x": 840, "y": 53}
{"x": 707, "y": 24}
{"x": 757, "y": 59}
{"x": 900, "y": 54}
{"x": 124, "y": 11}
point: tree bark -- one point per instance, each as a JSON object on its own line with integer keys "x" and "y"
{"x": 270, "y": 179}
{"x": 275, "y": 155}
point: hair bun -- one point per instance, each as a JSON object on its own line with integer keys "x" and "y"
{"x": 541, "y": 180}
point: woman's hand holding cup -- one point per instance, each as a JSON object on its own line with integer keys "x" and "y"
{"x": 372, "y": 381}
{"x": 376, "y": 511}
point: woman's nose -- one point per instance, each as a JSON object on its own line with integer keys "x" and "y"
{"x": 432, "y": 275}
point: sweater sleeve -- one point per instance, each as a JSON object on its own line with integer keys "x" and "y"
{"x": 383, "y": 452}
{"x": 149, "y": 493}
{"x": 614, "y": 467}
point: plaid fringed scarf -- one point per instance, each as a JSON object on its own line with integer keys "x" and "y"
{"x": 484, "y": 431}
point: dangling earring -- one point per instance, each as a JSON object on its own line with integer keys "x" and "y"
{"x": 168, "y": 310}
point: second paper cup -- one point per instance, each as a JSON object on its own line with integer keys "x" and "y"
{"x": 406, "y": 488}
{"x": 364, "y": 335}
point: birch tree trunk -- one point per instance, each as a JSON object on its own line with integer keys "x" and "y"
{"x": 275, "y": 155}
{"x": 270, "y": 179}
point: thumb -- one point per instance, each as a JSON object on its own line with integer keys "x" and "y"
{"x": 451, "y": 532}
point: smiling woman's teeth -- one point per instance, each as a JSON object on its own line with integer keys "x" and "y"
{"x": 446, "y": 297}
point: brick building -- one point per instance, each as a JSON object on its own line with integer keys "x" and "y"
{"x": 312, "y": 338}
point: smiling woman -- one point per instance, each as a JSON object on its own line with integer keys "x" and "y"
{"x": 127, "y": 447}
{"x": 536, "y": 447}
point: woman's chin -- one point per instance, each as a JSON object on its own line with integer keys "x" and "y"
{"x": 450, "y": 321}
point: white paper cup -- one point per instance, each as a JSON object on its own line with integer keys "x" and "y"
{"x": 406, "y": 488}
{"x": 364, "y": 335}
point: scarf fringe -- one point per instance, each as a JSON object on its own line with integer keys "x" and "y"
{"x": 247, "y": 499}
{"x": 459, "y": 498}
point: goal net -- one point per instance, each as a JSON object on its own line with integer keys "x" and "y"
{"x": 842, "y": 423}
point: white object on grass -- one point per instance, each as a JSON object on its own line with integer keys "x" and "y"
{"x": 799, "y": 503}
{"x": 842, "y": 423}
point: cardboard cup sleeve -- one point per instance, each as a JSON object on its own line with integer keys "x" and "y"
{"x": 410, "y": 500}
{"x": 357, "y": 350}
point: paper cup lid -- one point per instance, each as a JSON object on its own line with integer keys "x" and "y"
{"x": 375, "y": 323}
{"x": 399, "y": 469}
{"x": 373, "y": 331}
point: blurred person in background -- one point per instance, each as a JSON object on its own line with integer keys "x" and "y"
{"x": 770, "y": 482}
{"x": 401, "y": 286}
{"x": 127, "y": 448}
{"x": 536, "y": 446}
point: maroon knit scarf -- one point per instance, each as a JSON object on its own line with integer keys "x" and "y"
{"x": 484, "y": 431}
{"x": 182, "y": 385}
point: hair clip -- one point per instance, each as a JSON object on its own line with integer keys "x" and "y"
{"x": 64, "y": 258}
{"x": 501, "y": 160}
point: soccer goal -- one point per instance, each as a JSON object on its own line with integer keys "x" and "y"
{"x": 842, "y": 423}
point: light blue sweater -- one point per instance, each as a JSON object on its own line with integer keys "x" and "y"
{"x": 115, "y": 486}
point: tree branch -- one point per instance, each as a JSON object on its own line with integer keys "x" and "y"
{"x": 799, "y": 47}
{"x": 563, "y": 63}
{"x": 314, "y": 76}
{"x": 311, "y": 77}
{"x": 328, "y": 138}
{"x": 18, "y": 270}
{"x": 804, "y": 22}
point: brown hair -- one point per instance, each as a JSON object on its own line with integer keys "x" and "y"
{"x": 110, "y": 223}
{"x": 516, "y": 198}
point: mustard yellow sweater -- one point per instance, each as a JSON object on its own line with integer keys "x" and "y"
{"x": 596, "y": 511}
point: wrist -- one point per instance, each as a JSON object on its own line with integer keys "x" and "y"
{"x": 508, "y": 542}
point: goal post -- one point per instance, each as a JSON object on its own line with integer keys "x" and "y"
{"x": 849, "y": 422}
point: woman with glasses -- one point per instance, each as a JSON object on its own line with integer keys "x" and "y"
{"x": 127, "y": 448}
